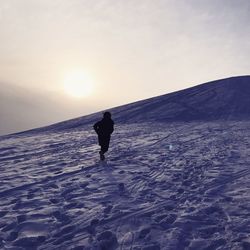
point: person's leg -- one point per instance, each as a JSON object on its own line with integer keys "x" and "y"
{"x": 100, "y": 141}
{"x": 105, "y": 144}
{"x": 102, "y": 157}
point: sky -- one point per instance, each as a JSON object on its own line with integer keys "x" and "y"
{"x": 63, "y": 59}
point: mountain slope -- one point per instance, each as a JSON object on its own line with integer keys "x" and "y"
{"x": 181, "y": 185}
{"x": 226, "y": 99}
{"x": 221, "y": 99}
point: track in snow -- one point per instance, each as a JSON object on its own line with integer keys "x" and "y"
{"x": 192, "y": 195}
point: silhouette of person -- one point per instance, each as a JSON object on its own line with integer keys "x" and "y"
{"x": 104, "y": 128}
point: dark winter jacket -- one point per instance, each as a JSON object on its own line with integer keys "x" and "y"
{"x": 105, "y": 127}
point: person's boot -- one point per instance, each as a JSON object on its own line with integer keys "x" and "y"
{"x": 102, "y": 157}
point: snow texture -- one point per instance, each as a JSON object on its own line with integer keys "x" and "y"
{"x": 165, "y": 185}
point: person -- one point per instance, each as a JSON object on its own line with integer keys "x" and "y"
{"x": 104, "y": 128}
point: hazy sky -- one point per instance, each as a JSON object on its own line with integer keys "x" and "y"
{"x": 127, "y": 49}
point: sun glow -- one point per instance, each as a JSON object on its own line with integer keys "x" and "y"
{"x": 78, "y": 84}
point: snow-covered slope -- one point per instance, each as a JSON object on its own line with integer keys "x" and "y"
{"x": 226, "y": 99}
{"x": 175, "y": 185}
{"x": 223, "y": 99}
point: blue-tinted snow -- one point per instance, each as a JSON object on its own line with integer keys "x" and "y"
{"x": 165, "y": 185}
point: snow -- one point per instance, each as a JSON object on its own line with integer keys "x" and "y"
{"x": 179, "y": 185}
{"x": 176, "y": 177}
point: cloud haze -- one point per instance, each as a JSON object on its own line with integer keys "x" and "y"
{"x": 133, "y": 49}
{"x": 22, "y": 109}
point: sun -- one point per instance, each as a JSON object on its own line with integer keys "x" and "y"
{"x": 78, "y": 84}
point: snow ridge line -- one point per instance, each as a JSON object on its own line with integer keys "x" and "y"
{"x": 128, "y": 214}
{"x": 46, "y": 179}
{"x": 150, "y": 209}
{"x": 238, "y": 175}
{"x": 161, "y": 139}
{"x": 156, "y": 206}
{"x": 122, "y": 215}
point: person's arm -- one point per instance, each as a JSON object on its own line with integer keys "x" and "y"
{"x": 96, "y": 127}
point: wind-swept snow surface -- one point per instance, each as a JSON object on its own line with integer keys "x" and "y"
{"x": 164, "y": 186}
{"x": 177, "y": 177}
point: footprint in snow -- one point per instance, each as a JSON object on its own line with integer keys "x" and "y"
{"x": 54, "y": 200}
{"x": 21, "y": 218}
{"x": 30, "y": 196}
{"x": 121, "y": 187}
{"x": 108, "y": 209}
{"x": 3, "y": 213}
{"x": 62, "y": 217}
{"x": 143, "y": 233}
{"x": 107, "y": 240}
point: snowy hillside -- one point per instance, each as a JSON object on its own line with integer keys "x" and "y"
{"x": 166, "y": 185}
{"x": 226, "y": 99}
